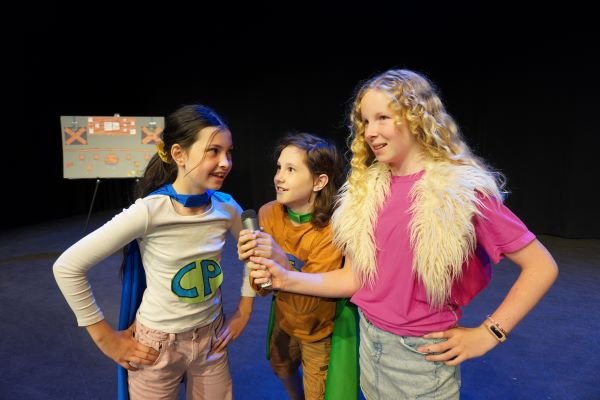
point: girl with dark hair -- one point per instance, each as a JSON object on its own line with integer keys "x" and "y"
{"x": 178, "y": 225}
{"x": 296, "y": 231}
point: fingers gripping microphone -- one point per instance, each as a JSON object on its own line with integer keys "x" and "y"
{"x": 249, "y": 221}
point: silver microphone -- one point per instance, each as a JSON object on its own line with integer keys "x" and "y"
{"x": 249, "y": 221}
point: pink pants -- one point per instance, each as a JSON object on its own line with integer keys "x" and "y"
{"x": 184, "y": 356}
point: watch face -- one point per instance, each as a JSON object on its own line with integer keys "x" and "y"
{"x": 500, "y": 336}
{"x": 496, "y": 331}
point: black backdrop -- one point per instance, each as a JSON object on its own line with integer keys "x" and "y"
{"x": 522, "y": 84}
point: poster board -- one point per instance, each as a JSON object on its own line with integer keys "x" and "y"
{"x": 108, "y": 146}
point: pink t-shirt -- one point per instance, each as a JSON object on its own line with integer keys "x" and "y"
{"x": 397, "y": 302}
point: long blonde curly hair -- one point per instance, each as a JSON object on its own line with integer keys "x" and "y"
{"x": 414, "y": 98}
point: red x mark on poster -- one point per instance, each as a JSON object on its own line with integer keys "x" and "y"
{"x": 75, "y": 136}
{"x": 151, "y": 136}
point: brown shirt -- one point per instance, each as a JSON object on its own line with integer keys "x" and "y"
{"x": 307, "y": 318}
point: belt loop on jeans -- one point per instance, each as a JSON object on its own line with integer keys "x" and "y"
{"x": 172, "y": 338}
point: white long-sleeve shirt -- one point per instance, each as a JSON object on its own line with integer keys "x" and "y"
{"x": 181, "y": 257}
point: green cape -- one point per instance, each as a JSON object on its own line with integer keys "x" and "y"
{"x": 343, "y": 373}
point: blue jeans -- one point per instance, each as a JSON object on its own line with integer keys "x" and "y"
{"x": 392, "y": 368}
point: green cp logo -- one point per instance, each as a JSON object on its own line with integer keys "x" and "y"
{"x": 197, "y": 281}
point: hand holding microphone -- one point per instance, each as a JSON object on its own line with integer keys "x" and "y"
{"x": 250, "y": 222}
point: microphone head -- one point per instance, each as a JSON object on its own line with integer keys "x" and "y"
{"x": 250, "y": 213}
{"x": 249, "y": 220}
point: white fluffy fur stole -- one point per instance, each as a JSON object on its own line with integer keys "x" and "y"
{"x": 442, "y": 234}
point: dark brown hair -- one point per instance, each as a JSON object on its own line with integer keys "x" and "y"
{"x": 181, "y": 127}
{"x": 322, "y": 157}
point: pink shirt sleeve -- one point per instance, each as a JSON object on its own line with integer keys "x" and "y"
{"x": 500, "y": 231}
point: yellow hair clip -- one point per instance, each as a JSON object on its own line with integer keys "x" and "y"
{"x": 162, "y": 154}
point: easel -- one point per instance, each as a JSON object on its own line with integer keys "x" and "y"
{"x": 87, "y": 221}
{"x": 128, "y": 135}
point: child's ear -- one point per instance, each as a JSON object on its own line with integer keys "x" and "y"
{"x": 177, "y": 154}
{"x": 320, "y": 182}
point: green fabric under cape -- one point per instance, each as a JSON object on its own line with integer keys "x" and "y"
{"x": 343, "y": 373}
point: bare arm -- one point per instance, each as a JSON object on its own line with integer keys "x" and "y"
{"x": 338, "y": 283}
{"x": 538, "y": 273}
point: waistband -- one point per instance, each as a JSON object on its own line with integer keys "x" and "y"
{"x": 155, "y": 334}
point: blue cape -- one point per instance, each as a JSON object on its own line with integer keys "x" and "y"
{"x": 134, "y": 278}
{"x": 134, "y": 284}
